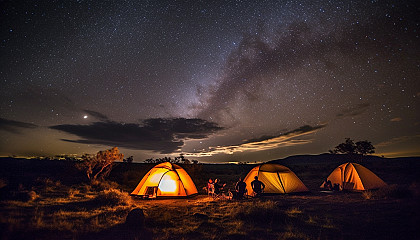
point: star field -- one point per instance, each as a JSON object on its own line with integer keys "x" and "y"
{"x": 205, "y": 78}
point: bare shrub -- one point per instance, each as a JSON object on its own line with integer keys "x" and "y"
{"x": 393, "y": 191}
{"x": 100, "y": 165}
{"x": 103, "y": 185}
{"x": 113, "y": 197}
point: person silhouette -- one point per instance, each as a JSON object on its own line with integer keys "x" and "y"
{"x": 217, "y": 187}
{"x": 328, "y": 185}
{"x": 210, "y": 187}
{"x": 240, "y": 189}
{"x": 257, "y": 186}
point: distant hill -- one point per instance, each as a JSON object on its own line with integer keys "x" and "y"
{"x": 327, "y": 158}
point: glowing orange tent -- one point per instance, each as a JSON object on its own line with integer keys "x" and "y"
{"x": 166, "y": 180}
{"x": 276, "y": 178}
{"x": 353, "y": 176}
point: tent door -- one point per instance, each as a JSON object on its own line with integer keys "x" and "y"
{"x": 151, "y": 192}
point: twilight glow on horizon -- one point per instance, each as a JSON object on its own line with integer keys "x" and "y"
{"x": 218, "y": 81}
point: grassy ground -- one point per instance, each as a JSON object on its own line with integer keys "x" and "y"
{"x": 62, "y": 207}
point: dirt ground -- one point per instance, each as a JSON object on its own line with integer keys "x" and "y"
{"x": 310, "y": 216}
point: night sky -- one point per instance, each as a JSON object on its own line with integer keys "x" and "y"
{"x": 219, "y": 81}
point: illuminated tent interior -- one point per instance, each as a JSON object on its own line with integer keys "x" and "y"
{"x": 276, "y": 178}
{"x": 166, "y": 180}
{"x": 353, "y": 176}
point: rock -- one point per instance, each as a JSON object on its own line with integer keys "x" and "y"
{"x": 200, "y": 216}
{"x": 135, "y": 220}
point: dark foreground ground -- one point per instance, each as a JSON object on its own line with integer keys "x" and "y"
{"x": 50, "y": 200}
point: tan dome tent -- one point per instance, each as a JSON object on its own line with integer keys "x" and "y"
{"x": 276, "y": 178}
{"x": 353, "y": 176}
{"x": 166, "y": 180}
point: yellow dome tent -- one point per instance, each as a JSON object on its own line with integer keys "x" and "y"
{"x": 353, "y": 176}
{"x": 276, "y": 178}
{"x": 166, "y": 180}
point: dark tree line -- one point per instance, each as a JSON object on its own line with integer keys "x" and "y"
{"x": 130, "y": 159}
{"x": 177, "y": 160}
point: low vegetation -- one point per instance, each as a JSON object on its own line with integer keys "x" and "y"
{"x": 57, "y": 207}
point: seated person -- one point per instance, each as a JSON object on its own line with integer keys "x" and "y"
{"x": 217, "y": 187}
{"x": 257, "y": 186}
{"x": 240, "y": 189}
{"x": 210, "y": 187}
{"x": 328, "y": 185}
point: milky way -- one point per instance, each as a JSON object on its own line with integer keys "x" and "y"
{"x": 221, "y": 82}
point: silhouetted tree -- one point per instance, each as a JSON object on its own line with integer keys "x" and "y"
{"x": 129, "y": 159}
{"x": 100, "y": 165}
{"x": 347, "y": 147}
{"x": 360, "y": 148}
{"x": 364, "y": 148}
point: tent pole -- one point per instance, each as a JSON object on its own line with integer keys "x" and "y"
{"x": 281, "y": 182}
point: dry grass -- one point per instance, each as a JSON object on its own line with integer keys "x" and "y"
{"x": 72, "y": 211}
{"x": 50, "y": 209}
{"x": 391, "y": 191}
{"x": 112, "y": 197}
{"x": 293, "y": 212}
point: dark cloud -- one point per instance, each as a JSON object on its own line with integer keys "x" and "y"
{"x": 14, "y": 126}
{"x": 163, "y": 135}
{"x": 97, "y": 115}
{"x": 353, "y": 111}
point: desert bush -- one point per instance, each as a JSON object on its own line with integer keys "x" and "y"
{"x": 103, "y": 185}
{"x": 113, "y": 197}
{"x": 100, "y": 165}
{"x": 24, "y": 196}
{"x": 72, "y": 192}
{"x": 32, "y": 195}
{"x": 390, "y": 191}
{"x": 47, "y": 184}
{"x": 395, "y": 191}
